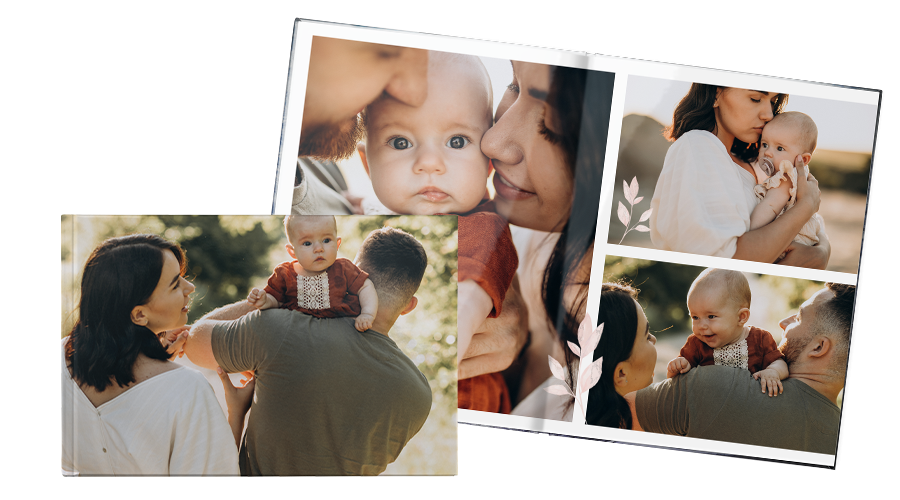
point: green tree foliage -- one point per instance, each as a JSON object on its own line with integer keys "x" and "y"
{"x": 664, "y": 287}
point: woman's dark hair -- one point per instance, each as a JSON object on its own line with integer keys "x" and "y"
{"x": 582, "y": 101}
{"x": 619, "y": 316}
{"x": 119, "y": 275}
{"x": 695, "y": 112}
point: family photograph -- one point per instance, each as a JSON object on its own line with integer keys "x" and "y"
{"x": 258, "y": 345}
{"x": 722, "y": 355}
{"x": 514, "y": 149}
{"x": 741, "y": 173}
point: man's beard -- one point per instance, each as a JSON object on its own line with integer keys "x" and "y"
{"x": 330, "y": 141}
{"x": 793, "y": 347}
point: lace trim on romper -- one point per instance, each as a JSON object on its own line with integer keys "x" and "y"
{"x": 734, "y": 355}
{"x": 312, "y": 292}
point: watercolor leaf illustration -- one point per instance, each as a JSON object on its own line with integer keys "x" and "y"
{"x": 626, "y": 214}
{"x": 588, "y": 339}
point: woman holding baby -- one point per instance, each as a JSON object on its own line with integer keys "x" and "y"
{"x": 704, "y": 195}
{"x": 127, "y": 409}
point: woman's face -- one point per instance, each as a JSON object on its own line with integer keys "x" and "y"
{"x": 168, "y": 305}
{"x": 531, "y": 178}
{"x": 640, "y": 365}
{"x": 742, "y": 114}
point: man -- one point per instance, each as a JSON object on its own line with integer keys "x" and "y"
{"x": 726, "y": 404}
{"x": 345, "y": 76}
{"x": 329, "y": 400}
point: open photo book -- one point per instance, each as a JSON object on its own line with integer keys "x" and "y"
{"x": 648, "y": 253}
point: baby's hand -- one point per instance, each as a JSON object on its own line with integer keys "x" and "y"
{"x": 257, "y": 299}
{"x": 676, "y": 366}
{"x": 364, "y": 322}
{"x": 173, "y": 340}
{"x": 769, "y": 381}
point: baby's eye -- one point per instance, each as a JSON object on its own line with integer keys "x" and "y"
{"x": 763, "y": 145}
{"x": 399, "y": 143}
{"x": 307, "y": 243}
{"x": 326, "y": 240}
{"x": 458, "y": 142}
{"x": 780, "y": 148}
{"x": 711, "y": 316}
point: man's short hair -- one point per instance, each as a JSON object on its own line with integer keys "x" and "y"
{"x": 396, "y": 263}
{"x": 834, "y": 319}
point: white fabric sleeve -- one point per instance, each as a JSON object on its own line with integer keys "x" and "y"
{"x": 699, "y": 204}
{"x": 202, "y": 442}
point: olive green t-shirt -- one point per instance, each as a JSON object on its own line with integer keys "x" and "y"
{"x": 727, "y": 404}
{"x": 329, "y": 400}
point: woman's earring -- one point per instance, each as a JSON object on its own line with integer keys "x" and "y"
{"x": 716, "y": 103}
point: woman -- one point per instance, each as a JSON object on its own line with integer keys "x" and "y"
{"x": 704, "y": 194}
{"x": 126, "y": 409}
{"x": 629, "y": 356}
{"x": 547, "y": 147}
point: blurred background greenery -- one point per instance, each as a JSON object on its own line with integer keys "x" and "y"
{"x": 663, "y": 295}
{"x": 229, "y": 254}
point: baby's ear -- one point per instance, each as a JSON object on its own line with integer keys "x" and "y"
{"x": 338, "y": 242}
{"x": 744, "y": 315}
{"x": 806, "y": 158}
{"x": 361, "y": 149}
{"x": 290, "y": 250}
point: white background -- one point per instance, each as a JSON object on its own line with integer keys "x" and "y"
{"x": 127, "y": 107}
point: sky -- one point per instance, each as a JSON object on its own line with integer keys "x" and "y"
{"x": 843, "y": 126}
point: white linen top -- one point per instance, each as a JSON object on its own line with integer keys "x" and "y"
{"x": 170, "y": 424}
{"x": 534, "y": 249}
{"x": 703, "y": 200}
{"x": 541, "y": 404}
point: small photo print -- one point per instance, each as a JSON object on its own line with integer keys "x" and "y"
{"x": 722, "y": 355}
{"x": 721, "y": 171}
{"x": 259, "y": 345}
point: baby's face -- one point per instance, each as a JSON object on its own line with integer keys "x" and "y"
{"x": 715, "y": 319}
{"x": 314, "y": 244}
{"x": 428, "y": 160}
{"x": 779, "y": 142}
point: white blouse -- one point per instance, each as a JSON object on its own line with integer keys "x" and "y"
{"x": 542, "y": 404}
{"x": 703, "y": 200}
{"x": 170, "y": 424}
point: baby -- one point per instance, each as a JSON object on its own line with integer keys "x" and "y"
{"x": 428, "y": 160}
{"x": 788, "y": 134}
{"x": 719, "y": 305}
{"x": 317, "y": 282}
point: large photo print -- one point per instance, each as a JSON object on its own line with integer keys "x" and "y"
{"x": 514, "y": 148}
{"x": 259, "y": 345}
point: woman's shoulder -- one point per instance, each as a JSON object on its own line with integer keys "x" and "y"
{"x": 698, "y": 139}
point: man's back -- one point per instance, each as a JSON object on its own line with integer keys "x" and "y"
{"x": 329, "y": 399}
{"x": 727, "y": 404}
